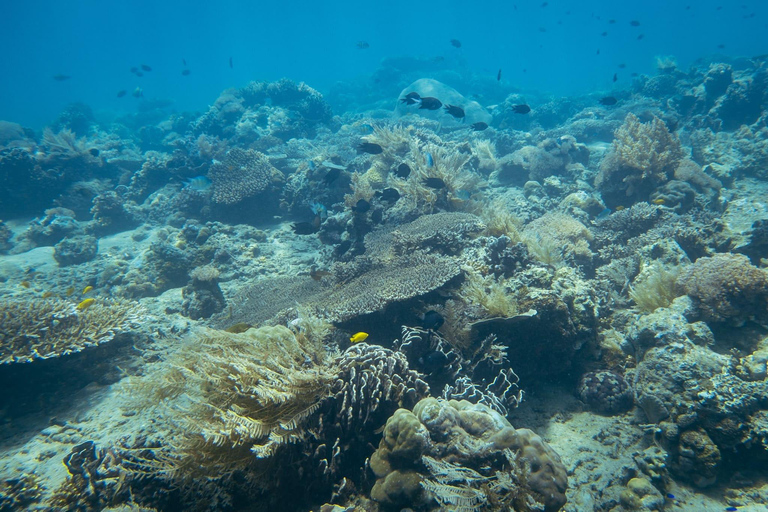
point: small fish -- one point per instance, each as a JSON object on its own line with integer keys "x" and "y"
{"x": 362, "y": 45}
{"x": 94, "y": 152}
{"x": 455, "y": 111}
{"x": 604, "y": 34}
{"x": 137, "y": 92}
{"x": 318, "y": 275}
{"x": 184, "y": 62}
{"x": 619, "y": 208}
{"x": 87, "y": 289}
{"x": 122, "y": 93}
{"x": 436, "y": 183}
{"x": 670, "y": 496}
{"x": 430, "y": 160}
{"x": 731, "y": 509}
{"x": 603, "y": 214}
{"x": 411, "y": 98}
{"x": 361, "y": 206}
{"x": 144, "y": 67}
{"x": 139, "y": 74}
{"x": 611, "y": 22}
{"x": 358, "y": 337}
{"x": 305, "y": 228}
{"x": 463, "y": 194}
{"x": 61, "y": 78}
{"x": 186, "y": 72}
{"x": 48, "y": 294}
{"x": 86, "y": 304}
{"x": 608, "y": 101}
{"x": 403, "y": 171}
{"x": 658, "y": 201}
{"x": 370, "y": 148}
{"x": 432, "y": 320}
{"x": 197, "y": 184}
{"x": 598, "y": 51}
{"x": 641, "y": 36}
{"x": 721, "y": 46}
{"x": 615, "y": 77}
{"x": 521, "y": 109}
{"x": 69, "y": 291}
{"x": 342, "y": 248}
{"x": 25, "y": 284}
{"x": 479, "y": 126}
{"x": 429, "y": 103}
{"x": 622, "y": 66}
{"x": 390, "y": 195}
{"x": 368, "y": 128}
{"x": 320, "y": 210}
{"x": 455, "y": 43}
{"x": 332, "y": 176}
{"x": 498, "y": 76}
{"x": 134, "y": 69}
{"x": 230, "y": 63}
{"x": 311, "y": 165}
{"x": 634, "y": 23}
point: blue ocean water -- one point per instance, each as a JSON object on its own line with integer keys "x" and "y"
{"x": 549, "y": 47}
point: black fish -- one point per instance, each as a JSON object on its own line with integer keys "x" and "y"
{"x": 342, "y": 248}
{"x": 622, "y": 66}
{"x": 186, "y": 72}
{"x": 641, "y": 36}
{"x": 480, "y": 126}
{"x": 362, "y": 45}
{"x": 139, "y": 74}
{"x": 411, "y": 98}
{"x": 430, "y": 103}
{"x": 634, "y": 23}
{"x": 332, "y": 176}
{"x": 432, "y": 320}
{"x": 362, "y": 206}
{"x": 230, "y": 63}
{"x": 721, "y": 46}
{"x": 433, "y": 361}
{"x": 390, "y": 195}
{"x": 435, "y": 183}
{"x": 456, "y": 43}
{"x": 369, "y": 147}
{"x": 305, "y": 228}
{"x": 120, "y": 94}
{"x": 61, "y": 78}
{"x": 608, "y": 101}
{"x": 598, "y": 51}
{"x": 403, "y": 171}
{"x": 94, "y": 152}
{"x": 184, "y": 62}
{"x": 455, "y": 111}
{"x": 498, "y": 75}
{"x": 134, "y": 69}
{"x": 521, "y": 109}
{"x": 611, "y": 22}
{"x": 615, "y": 76}
{"x": 145, "y": 67}
{"x": 604, "y": 34}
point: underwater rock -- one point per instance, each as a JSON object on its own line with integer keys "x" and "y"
{"x": 112, "y": 214}
{"x": 429, "y": 88}
{"x": 75, "y": 250}
{"x": 445, "y": 451}
{"x": 57, "y": 224}
{"x": 640, "y": 494}
{"x": 202, "y": 295}
{"x": 606, "y": 391}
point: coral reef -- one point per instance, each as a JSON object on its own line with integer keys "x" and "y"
{"x": 605, "y": 391}
{"x": 45, "y": 328}
{"x": 240, "y": 175}
{"x": 75, "y": 250}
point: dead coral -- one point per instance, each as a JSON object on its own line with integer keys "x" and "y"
{"x": 44, "y": 328}
{"x": 242, "y": 174}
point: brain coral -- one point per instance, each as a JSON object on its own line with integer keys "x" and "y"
{"x": 464, "y": 456}
{"x": 727, "y": 288}
{"x": 605, "y": 391}
{"x": 242, "y": 174}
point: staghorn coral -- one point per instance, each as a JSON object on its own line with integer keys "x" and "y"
{"x": 727, "y": 288}
{"x": 45, "y": 328}
{"x": 242, "y": 174}
{"x": 643, "y": 157}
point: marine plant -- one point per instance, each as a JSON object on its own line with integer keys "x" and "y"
{"x": 654, "y": 287}
{"x": 490, "y": 294}
{"x": 545, "y": 250}
{"x": 499, "y": 221}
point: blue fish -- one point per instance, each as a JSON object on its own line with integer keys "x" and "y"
{"x": 367, "y": 128}
{"x": 430, "y": 160}
{"x": 319, "y": 210}
{"x": 197, "y": 184}
{"x": 731, "y": 509}
{"x": 464, "y": 194}
{"x": 670, "y": 496}
{"x": 603, "y": 214}
{"x": 312, "y": 165}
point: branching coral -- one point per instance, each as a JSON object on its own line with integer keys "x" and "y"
{"x": 43, "y": 328}
{"x": 643, "y": 156}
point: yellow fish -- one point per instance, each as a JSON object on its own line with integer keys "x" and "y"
{"x": 25, "y": 284}
{"x": 86, "y": 304}
{"x": 87, "y": 289}
{"x": 47, "y": 295}
{"x": 358, "y": 337}
{"x": 69, "y": 291}
{"x": 658, "y": 201}
{"x": 619, "y": 208}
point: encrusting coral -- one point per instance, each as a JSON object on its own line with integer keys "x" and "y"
{"x": 43, "y": 328}
{"x": 242, "y": 174}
